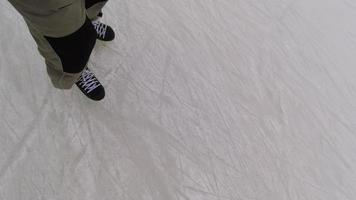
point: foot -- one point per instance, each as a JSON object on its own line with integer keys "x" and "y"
{"x": 90, "y": 85}
{"x": 103, "y": 31}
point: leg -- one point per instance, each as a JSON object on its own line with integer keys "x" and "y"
{"x": 67, "y": 56}
{"x": 65, "y": 37}
{"x": 94, "y": 8}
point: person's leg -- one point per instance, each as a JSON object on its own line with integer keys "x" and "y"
{"x": 66, "y": 57}
{"x": 65, "y": 37}
{"x": 94, "y": 11}
{"x": 94, "y": 8}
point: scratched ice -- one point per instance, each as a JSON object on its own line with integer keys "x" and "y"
{"x": 206, "y": 100}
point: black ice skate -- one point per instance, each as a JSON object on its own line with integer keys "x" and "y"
{"x": 103, "y": 31}
{"x": 90, "y": 85}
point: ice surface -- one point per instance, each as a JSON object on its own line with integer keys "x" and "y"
{"x": 206, "y": 100}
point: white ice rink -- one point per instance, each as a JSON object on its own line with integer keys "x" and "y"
{"x": 206, "y": 100}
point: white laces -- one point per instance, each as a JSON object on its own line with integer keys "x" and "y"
{"x": 88, "y": 81}
{"x": 100, "y": 28}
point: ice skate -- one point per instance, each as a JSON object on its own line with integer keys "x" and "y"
{"x": 90, "y": 85}
{"x": 104, "y": 32}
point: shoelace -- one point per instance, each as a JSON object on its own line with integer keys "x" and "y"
{"x": 100, "y": 28}
{"x": 88, "y": 81}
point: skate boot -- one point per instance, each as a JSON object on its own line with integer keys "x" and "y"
{"x": 90, "y": 85}
{"x": 103, "y": 31}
